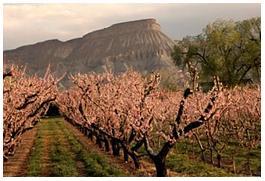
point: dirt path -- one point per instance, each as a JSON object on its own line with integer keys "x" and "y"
{"x": 17, "y": 165}
{"x": 45, "y": 158}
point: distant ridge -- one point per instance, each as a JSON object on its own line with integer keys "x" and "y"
{"x": 138, "y": 44}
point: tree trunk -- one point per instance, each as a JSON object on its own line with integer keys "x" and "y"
{"x": 135, "y": 159}
{"x": 192, "y": 148}
{"x": 83, "y": 130}
{"x": 219, "y": 160}
{"x": 90, "y": 135}
{"x": 118, "y": 148}
{"x": 138, "y": 145}
{"x": 106, "y": 144}
{"x": 86, "y": 131}
{"x": 160, "y": 164}
{"x": 160, "y": 158}
{"x": 211, "y": 155}
{"x": 115, "y": 148}
{"x": 98, "y": 140}
{"x": 234, "y": 165}
{"x": 125, "y": 155}
{"x": 201, "y": 146}
{"x": 203, "y": 155}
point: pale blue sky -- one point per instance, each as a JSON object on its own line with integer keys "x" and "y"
{"x": 29, "y": 23}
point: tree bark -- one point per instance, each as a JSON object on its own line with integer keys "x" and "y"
{"x": 219, "y": 157}
{"x": 98, "y": 140}
{"x": 234, "y": 165}
{"x": 115, "y": 147}
{"x": 160, "y": 164}
{"x": 160, "y": 158}
{"x": 211, "y": 155}
{"x": 135, "y": 159}
{"x": 106, "y": 144}
{"x": 90, "y": 134}
{"x": 201, "y": 146}
{"x": 125, "y": 155}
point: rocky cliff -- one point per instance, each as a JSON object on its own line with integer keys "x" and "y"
{"x": 139, "y": 44}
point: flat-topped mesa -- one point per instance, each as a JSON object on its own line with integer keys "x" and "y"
{"x": 140, "y": 45}
{"x": 126, "y": 27}
{"x": 148, "y": 24}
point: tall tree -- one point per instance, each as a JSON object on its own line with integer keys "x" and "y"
{"x": 227, "y": 49}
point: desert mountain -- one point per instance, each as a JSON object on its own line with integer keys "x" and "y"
{"x": 139, "y": 44}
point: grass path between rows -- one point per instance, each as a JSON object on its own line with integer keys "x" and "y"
{"x": 56, "y": 148}
{"x": 58, "y": 152}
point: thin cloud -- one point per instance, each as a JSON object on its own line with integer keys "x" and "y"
{"x": 30, "y": 23}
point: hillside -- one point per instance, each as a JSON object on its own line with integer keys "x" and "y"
{"x": 139, "y": 44}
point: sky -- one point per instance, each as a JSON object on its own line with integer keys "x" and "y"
{"x": 30, "y": 23}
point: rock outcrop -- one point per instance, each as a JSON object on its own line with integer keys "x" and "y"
{"x": 139, "y": 44}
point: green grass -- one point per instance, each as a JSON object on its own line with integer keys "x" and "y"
{"x": 61, "y": 158}
{"x": 34, "y": 165}
{"x": 184, "y": 158}
{"x": 233, "y": 149}
{"x": 95, "y": 164}
{"x": 63, "y": 164}
{"x": 182, "y": 164}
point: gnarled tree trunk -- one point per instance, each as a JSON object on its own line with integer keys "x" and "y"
{"x": 160, "y": 164}
{"x": 115, "y": 147}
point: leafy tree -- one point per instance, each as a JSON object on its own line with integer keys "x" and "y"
{"x": 227, "y": 49}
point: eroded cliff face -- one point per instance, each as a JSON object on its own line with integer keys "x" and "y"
{"x": 137, "y": 44}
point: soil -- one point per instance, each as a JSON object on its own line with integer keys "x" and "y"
{"x": 45, "y": 159}
{"x": 16, "y": 165}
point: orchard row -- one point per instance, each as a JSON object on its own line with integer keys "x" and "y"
{"x": 132, "y": 114}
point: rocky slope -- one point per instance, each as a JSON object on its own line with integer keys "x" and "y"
{"x": 139, "y": 44}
